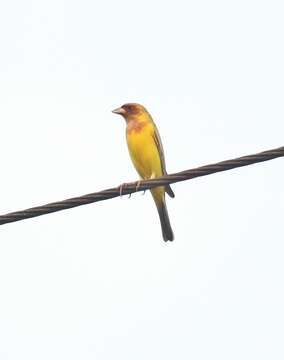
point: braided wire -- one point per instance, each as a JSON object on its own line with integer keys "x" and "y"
{"x": 130, "y": 188}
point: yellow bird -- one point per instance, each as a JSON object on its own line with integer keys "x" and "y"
{"x": 146, "y": 152}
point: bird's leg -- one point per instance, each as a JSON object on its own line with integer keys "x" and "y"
{"x": 137, "y": 185}
{"x": 151, "y": 177}
{"x": 121, "y": 190}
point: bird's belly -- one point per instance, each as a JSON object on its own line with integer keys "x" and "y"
{"x": 144, "y": 155}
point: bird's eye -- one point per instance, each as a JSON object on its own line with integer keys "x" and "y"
{"x": 128, "y": 108}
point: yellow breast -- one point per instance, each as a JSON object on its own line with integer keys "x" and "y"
{"x": 143, "y": 150}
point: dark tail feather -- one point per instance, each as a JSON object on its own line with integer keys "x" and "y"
{"x": 168, "y": 234}
{"x": 169, "y": 191}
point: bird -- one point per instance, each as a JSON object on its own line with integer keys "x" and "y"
{"x": 147, "y": 154}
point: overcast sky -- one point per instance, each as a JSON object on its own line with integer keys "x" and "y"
{"x": 98, "y": 282}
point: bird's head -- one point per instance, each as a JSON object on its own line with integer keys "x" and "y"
{"x": 131, "y": 111}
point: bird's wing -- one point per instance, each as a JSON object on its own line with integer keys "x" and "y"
{"x": 159, "y": 145}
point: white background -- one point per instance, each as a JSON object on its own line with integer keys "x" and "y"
{"x": 98, "y": 282}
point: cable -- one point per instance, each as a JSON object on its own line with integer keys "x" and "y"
{"x": 130, "y": 188}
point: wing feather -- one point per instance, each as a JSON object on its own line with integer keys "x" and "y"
{"x": 159, "y": 145}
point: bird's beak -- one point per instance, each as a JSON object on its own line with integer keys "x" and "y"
{"x": 119, "y": 111}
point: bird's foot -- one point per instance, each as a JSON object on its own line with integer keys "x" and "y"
{"x": 137, "y": 185}
{"x": 120, "y": 188}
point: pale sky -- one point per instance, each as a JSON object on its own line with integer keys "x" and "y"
{"x": 98, "y": 282}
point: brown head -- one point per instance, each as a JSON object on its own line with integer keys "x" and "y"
{"x": 131, "y": 111}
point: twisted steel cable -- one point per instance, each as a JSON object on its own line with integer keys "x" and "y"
{"x": 130, "y": 188}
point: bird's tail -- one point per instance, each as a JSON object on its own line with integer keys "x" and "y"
{"x": 167, "y": 231}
